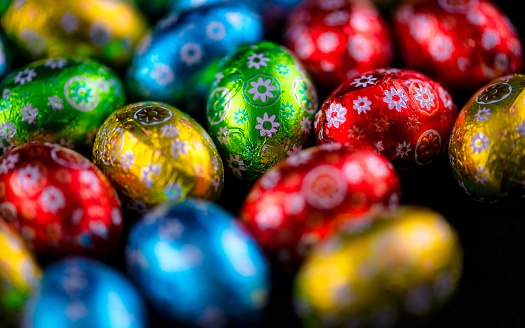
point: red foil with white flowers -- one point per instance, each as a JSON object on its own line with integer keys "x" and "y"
{"x": 314, "y": 191}
{"x": 462, "y": 44}
{"x": 338, "y": 39}
{"x": 402, "y": 115}
{"x": 59, "y": 201}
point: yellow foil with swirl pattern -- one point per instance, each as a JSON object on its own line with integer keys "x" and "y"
{"x": 101, "y": 29}
{"x": 154, "y": 153}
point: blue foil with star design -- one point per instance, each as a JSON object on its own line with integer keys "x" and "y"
{"x": 81, "y": 292}
{"x": 197, "y": 266}
{"x": 177, "y": 63}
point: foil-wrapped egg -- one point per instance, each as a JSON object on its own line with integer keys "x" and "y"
{"x": 6, "y": 55}
{"x": 60, "y": 202}
{"x": 82, "y": 292}
{"x": 19, "y": 274}
{"x": 154, "y": 153}
{"x": 487, "y": 146}
{"x": 260, "y": 109}
{"x": 402, "y": 267}
{"x": 338, "y": 40}
{"x": 105, "y": 30}
{"x": 197, "y": 266}
{"x": 398, "y": 113}
{"x": 461, "y": 44}
{"x": 59, "y": 100}
{"x": 298, "y": 202}
{"x": 177, "y": 63}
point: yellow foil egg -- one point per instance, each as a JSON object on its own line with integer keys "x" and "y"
{"x": 105, "y": 30}
{"x": 19, "y": 273}
{"x": 154, "y": 153}
{"x": 401, "y": 265}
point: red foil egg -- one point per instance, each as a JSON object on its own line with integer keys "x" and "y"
{"x": 305, "y": 197}
{"x": 462, "y": 44}
{"x": 59, "y": 201}
{"x": 402, "y": 115}
{"x": 338, "y": 39}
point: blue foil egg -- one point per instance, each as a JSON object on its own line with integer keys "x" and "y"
{"x": 177, "y": 63}
{"x": 5, "y": 55}
{"x": 197, "y": 266}
{"x": 80, "y": 292}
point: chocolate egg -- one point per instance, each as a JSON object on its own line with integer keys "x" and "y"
{"x": 19, "y": 274}
{"x": 197, "y": 266}
{"x": 260, "y": 108}
{"x": 105, "y": 30}
{"x": 60, "y": 202}
{"x": 82, "y": 292}
{"x": 400, "y": 267}
{"x": 401, "y": 114}
{"x": 178, "y": 62}
{"x": 154, "y": 153}
{"x": 487, "y": 146}
{"x": 59, "y": 100}
{"x": 301, "y": 200}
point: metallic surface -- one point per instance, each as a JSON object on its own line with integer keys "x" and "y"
{"x": 401, "y": 265}
{"x": 300, "y": 201}
{"x": 154, "y": 153}
{"x": 401, "y": 114}
{"x": 59, "y": 100}
{"x": 260, "y": 108}
{"x": 59, "y": 201}
{"x": 197, "y": 266}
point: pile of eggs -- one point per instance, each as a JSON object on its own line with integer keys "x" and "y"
{"x": 119, "y": 132}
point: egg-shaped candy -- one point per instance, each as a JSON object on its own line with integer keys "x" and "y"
{"x": 260, "y": 109}
{"x": 5, "y": 56}
{"x": 105, "y": 30}
{"x": 338, "y": 40}
{"x": 402, "y": 267}
{"x": 154, "y": 153}
{"x": 197, "y": 266}
{"x": 60, "y": 202}
{"x": 461, "y": 44}
{"x": 304, "y": 198}
{"x": 82, "y": 292}
{"x": 178, "y": 62}
{"x": 59, "y": 100}
{"x": 19, "y": 274}
{"x": 487, "y": 146}
{"x": 398, "y": 113}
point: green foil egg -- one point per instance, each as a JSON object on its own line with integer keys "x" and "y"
{"x": 59, "y": 100}
{"x": 260, "y": 108}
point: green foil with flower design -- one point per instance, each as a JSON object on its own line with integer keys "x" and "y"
{"x": 59, "y": 100}
{"x": 260, "y": 108}
{"x": 487, "y": 146}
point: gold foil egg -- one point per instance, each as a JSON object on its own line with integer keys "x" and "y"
{"x": 154, "y": 153}
{"x": 105, "y": 30}
{"x": 400, "y": 266}
{"x": 19, "y": 273}
{"x": 487, "y": 146}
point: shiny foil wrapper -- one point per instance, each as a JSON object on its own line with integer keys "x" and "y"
{"x": 105, "y": 30}
{"x": 338, "y": 40}
{"x": 19, "y": 274}
{"x": 59, "y": 100}
{"x": 461, "y": 44}
{"x": 487, "y": 146}
{"x": 6, "y": 56}
{"x": 154, "y": 153}
{"x": 401, "y": 266}
{"x": 59, "y": 201}
{"x": 400, "y": 114}
{"x": 82, "y": 292}
{"x": 177, "y": 63}
{"x": 198, "y": 267}
{"x": 260, "y": 108}
{"x": 298, "y": 202}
